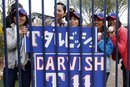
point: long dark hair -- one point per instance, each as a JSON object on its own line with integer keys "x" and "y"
{"x": 119, "y": 24}
{"x": 9, "y": 20}
{"x": 26, "y": 22}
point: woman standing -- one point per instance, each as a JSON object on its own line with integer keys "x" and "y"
{"x": 12, "y": 50}
{"x": 122, "y": 45}
{"x": 99, "y": 23}
{"x": 60, "y": 14}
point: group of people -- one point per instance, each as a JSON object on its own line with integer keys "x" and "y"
{"x": 110, "y": 43}
{"x": 74, "y": 21}
{"x": 12, "y": 47}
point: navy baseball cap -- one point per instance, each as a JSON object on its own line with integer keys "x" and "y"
{"x": 20, "y": 10}
{"x": 111, "y": 15}
{"x": 75, "y": 14}
{"x": 99, "y": 15}
{"x": 13, "y": 6}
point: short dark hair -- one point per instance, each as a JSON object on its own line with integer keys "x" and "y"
{"x": 63, "y": 6}
{"x": 119, "y": 24}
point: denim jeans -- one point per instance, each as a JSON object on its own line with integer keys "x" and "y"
{"x": 13, "y": 76}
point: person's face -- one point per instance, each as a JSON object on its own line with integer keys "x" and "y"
{"x": 74, "y": 22}
{"x": 98, "y": 23}
{"x": 112, "y": 22}
{"x": 22, "y": 19}
{"x": 60, "y": 12}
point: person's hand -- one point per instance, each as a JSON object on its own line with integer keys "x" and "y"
{"x": 111, "y": 31}
{"x": 23, "y": 30}
{"x": 99, "y": 36}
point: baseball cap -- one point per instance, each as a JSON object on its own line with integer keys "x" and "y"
{"x": 99, "y": 15}
{"x": 72, "y": 8}
{"x": 20, "y": 10}
{"x": 13, "y": 6}
{"x": 75, "y": 14}
{"x": 111, "y": 15}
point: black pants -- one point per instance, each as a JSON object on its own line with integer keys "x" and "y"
{"x": 126, "y": 76}
{"x": 107, "y": 75}
{"x": 12, "y": 76}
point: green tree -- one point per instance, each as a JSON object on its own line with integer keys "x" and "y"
{"x": 1, "y": 34}
{"x": 1, "y": 42}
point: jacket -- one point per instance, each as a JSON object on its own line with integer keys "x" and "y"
{"x": 51, "y": 22}
{"x": 12, "y": 48}
{"x": 122, "y": 46}
{"x": 109, "y": 50}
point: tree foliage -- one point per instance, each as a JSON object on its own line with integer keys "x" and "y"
{"x": 1, "y": 42}
{"x": 111, "y": 5}
{"x": 1, "y": 37}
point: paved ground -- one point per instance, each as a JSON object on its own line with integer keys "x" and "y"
{"x": 111, "y": 80}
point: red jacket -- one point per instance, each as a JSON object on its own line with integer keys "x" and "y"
{"x": 122, "y": 46}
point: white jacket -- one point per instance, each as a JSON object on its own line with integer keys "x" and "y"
{"x": 12, "y": 49}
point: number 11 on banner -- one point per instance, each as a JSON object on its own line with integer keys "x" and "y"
{"x": 76, "y": 82}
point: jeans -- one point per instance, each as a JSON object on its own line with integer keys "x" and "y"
{"x": 13, "y": 76}
{"x": 107, "y": 75}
